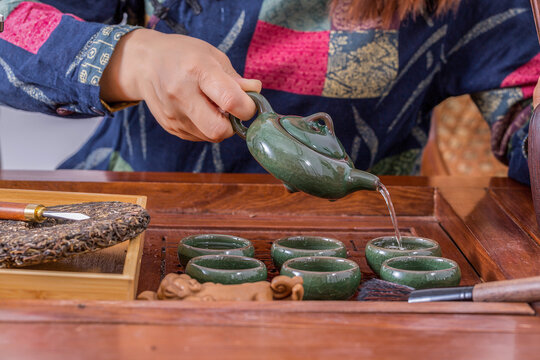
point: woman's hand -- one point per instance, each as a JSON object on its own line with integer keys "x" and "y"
{"x": 187, "y": 84}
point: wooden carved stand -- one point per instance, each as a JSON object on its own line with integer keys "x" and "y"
{"x": 534, "y": 134}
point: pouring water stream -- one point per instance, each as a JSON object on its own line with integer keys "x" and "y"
{"x": 386, "y": 195}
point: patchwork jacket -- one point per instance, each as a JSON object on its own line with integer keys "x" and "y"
{"x": 379, "y": 86}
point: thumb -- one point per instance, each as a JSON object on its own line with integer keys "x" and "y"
{"x": 249, "y": 84}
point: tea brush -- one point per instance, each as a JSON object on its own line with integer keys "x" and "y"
{"x": 517, "y": 290}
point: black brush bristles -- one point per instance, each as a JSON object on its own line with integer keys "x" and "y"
{"x": 380, "y": 290}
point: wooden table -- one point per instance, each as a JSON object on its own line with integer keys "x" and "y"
{"x": 487, "y": 225}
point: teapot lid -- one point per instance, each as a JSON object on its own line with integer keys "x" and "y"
{"x": 316, "y": 132}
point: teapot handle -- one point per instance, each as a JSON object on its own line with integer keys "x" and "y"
{"x": 263, "y": 106}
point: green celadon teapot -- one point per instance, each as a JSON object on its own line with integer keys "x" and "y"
{"x": 303, "y": 152}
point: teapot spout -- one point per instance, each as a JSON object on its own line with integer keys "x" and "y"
{"x": 361, "y": 180}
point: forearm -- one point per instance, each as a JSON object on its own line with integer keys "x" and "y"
{"x": 187, "y": 83}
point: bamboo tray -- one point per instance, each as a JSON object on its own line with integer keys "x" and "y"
{"x": 108, "y": 274}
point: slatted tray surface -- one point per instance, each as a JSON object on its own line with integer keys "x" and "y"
{"x": 160, "y": 252}
{"x": 263, "y": 214}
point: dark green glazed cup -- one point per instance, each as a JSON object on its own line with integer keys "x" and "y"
{"x": 302, "y": 246}
{"x": 325, "y": 277}
{"x": 213, "y": 244}
{"x": 226, "y": 269}
{"x": 421, "y": 272}
{"x": 383, "y": 248}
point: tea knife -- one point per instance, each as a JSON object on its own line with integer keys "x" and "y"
{"x": 34, "y": 213}
{"x": 518, "y": 290}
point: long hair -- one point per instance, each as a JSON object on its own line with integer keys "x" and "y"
{"x": 388, "y": 12}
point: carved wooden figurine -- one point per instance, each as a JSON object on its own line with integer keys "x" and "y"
{"x": 183, "y": 287}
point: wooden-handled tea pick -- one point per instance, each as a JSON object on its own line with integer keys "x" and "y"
{"x": 34, "y": 213}
{"x": 519, "y": 290}
{"x": 534, "y": 134}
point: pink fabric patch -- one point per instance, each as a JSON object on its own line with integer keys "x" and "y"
{"x": 525, "y": 76}
{"x": 30, "y": 24}
{"x": 288, "y": 60}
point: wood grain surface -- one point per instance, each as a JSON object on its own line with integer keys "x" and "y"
{"x": 235, "y": 332}
{"x": 513, "y": 253}
{"x": 517, "y": 205}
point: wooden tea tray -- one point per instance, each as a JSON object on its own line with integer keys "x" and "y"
{"x": 486, "y": 225}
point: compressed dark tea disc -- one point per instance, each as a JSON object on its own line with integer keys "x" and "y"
{"x": 110, "y": 223}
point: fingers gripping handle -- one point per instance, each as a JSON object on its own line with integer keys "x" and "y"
{"x": 263, "y": 106}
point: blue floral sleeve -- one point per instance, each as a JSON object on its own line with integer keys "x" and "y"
{"x": 52, "y": 61}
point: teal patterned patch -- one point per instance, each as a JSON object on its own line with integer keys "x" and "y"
{"x": 406, "y": 163}
{"x": 117, "y": 163}
{"x": 494, "y": 104}
{"x": 300, "y": 15}
{"x": 149, "y": 8}
{"x": 361, "y": 64}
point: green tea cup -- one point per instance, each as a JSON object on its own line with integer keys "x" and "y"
{"x": 383, "y": 248}
{"x": 325, "y": 277}
{"x": 421, "y": 272}
{"x": 213, "y": 244}
{"x": 303, "y": 246}
{"x": 226, "y": 269}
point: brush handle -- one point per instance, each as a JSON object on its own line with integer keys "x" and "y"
{"x": 21, "y": 212}
{"x": 519, "y": 290}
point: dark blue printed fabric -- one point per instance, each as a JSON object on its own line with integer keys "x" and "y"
{"x": 379, "y": 86}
